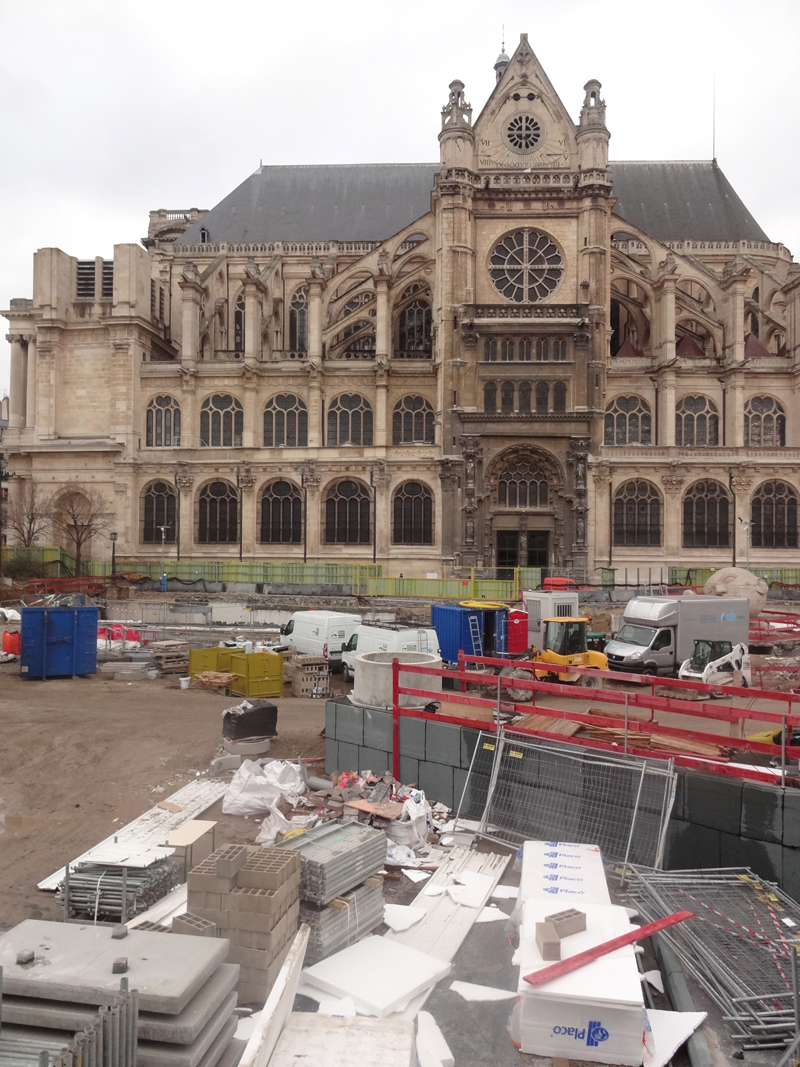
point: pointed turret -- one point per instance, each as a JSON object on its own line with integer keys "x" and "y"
{"x": 592, "y": 137}
{"x": 502, "y": 62}
{"x": 457, "y": 139}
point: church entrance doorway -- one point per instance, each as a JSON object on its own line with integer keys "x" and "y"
{"x": 507, "y": 554}
{"x": 538, "y": 548}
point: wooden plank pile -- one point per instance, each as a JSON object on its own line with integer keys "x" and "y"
{"x": 172, "y": 657}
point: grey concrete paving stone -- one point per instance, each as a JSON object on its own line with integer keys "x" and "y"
{"x": 374, "y": 760}
{"x": 73, "y": 963}
{"x": 221, "y": 1045}
{"x": 688, "y": 846}
{"x": 412, "y": 737}
{"x": 331, "y": 755}
{"x": 436, "y": 781}
{"x": 348, "y": 757}
{"x": 763, "y": 857}
{"x": 350, "y": 724}
{"x": 762, "y": 812}
{"x": 378, "y": 730}
{"x": 791, "y": 818}
{"x": 168, "y": 1054}
{"x": 714, "y": 801}
{"x": 409, "y": 770}
{"x": 443, "y": 743}
{"x": 184, "y": 1027}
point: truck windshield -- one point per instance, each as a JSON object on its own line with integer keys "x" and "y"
{"x": 706, "y": 652}
{"x": 352, "y": 644}
{"x": 635, "y": 635}
{"x": 565, "y": 638}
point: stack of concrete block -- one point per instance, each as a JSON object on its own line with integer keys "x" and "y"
{"x": 310, "y": 676}
{"x": 251, "y": 897}
{"x": 57, "y": 975}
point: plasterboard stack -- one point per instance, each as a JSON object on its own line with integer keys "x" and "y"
{"x": 185, "y": 992}
{"x": 344, "y": 921}
{"x": 310, "y": 676}
{"x": 251, "y": 897}
{"x": 341, "y": 893}
{"x": 596, "y": 1012}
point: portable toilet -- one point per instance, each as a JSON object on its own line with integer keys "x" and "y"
{"x": 471, "y": 627}
{"x": 517, "y": 632}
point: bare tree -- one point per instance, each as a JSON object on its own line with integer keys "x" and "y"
{"x": 80, "y": 513}
{"x": 27, "y": 512}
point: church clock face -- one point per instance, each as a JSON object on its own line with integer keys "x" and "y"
{"x": 521, "y": 140}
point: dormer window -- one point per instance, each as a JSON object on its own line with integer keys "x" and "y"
{"x": 203, "y": 235}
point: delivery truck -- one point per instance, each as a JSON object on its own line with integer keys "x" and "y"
{"x": 659, "y": 634}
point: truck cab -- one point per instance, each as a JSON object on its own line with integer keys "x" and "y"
{"x": 641, "y": 648}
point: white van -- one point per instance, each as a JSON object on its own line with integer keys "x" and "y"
{"x": 321, "y": 633}
{"x": 387, "y": 638}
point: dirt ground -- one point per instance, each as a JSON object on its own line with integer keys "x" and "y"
{"x": 79, "y": 757}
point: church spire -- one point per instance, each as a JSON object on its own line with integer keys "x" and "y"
{"x": 502, "y": 61}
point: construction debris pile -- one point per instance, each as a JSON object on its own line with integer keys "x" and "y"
{"x": 251, "y": 897}
{"x": 61, "y": 979}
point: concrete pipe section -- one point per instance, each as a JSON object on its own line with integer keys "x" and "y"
{"x": 372, "y": 685}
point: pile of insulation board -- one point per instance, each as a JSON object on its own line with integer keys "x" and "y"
{"x": 184, "y": 988}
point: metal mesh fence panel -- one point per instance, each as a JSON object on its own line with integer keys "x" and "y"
{"x": 738, "y": 947}
{"x": 520, "y": 789}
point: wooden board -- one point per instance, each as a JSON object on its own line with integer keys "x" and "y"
{"x": 563, "y": 727}
{"x": 388, "y": 809}
{"x": 189, "y": 833}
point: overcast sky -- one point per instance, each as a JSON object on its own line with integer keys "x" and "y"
{"x": 112, "y": 108}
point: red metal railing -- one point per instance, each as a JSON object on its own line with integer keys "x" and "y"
{"x": 771, "y": 626}
{"x": 784, "y": 715}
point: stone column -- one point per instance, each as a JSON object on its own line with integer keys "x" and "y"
{"x": 382, "y": 503}
{"x": 599, "y": 516}
{"x": 247, "y": 482}
{"x": 381, "y": 405}
{"x": 734, "y": 410}
{"x": 312, "y": 512}
{"x": 666, "y": 414}
{"x": 383, "y": 332}
{"x": 30, "y": 406}
{"x": 315, "y": 318}
{"x": 664, "y": 343}
{"x": 184, "y": 482}
{"x": 672, "y": 483}
{"x": 17, "y": 398}
{"x": 315, "y": 412}
{"x": 253, "y": 426}
{"x": 192, "y": 304}
{"x": 734, "y": 281}
{"x": 741, "y": 484}
{"x": 252, "y": 320}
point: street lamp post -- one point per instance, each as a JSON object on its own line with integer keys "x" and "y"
{"x": 113, "y": 538}
{"x": 163, "y": 530}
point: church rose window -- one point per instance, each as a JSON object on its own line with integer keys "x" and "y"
{"x": 525, "y": 266}
{"x": 523, "y": 133}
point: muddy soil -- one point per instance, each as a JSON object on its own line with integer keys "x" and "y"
{"x": 81, "y": 757}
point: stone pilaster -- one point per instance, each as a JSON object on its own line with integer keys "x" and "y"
{"x": 313, "y": 509}
{"x": 17, "y": 389}
{"x": 30, "y": 404}
{"x": 191, "y": 310}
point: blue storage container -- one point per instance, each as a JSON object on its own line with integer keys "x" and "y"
{"x": 58, "y": 642}
{"x": 476, "y": 631}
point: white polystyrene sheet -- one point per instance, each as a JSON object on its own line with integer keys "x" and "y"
{"x": 400, "y": 916}
{"x": 564, "y": 872}
{"x": 670, "y": 1030}
{"x": 164, "y": 910}
{"x": 611, "y": 980}
{"x": 472, "y": 992}
{"x": 380, "y": 975}
{"x": 505, "y": 892}
{"x": 137, "y": 844}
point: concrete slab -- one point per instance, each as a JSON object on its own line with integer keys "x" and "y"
{"x": 167, "y": 1054}
{"x": 73, "y": 963}
{"x": 221, "y": 1046}
{"x": 180, "y": 1029}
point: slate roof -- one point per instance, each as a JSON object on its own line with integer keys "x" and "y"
{"x": 356, "y": 202}
{"x": 674, "y": 201}
{"x": 370, "y": 202}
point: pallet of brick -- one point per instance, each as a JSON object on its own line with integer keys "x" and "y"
{"x": 344, "y": 921}
{"x": 309, "y": 675}
{"x": 251, "y": 896}
{"x": 335, "y": 857}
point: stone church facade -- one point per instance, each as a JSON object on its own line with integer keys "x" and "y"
{"x": 519, "y": 356}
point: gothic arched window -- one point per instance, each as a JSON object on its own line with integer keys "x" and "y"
{"x": 159, "y": 508}
{"x": 522, "y": 485}
{"x": 163, "y": 425}
{"x": 525, "y": 266}
{"x": 347, "y": 514}
{"x": 542, "y": 350}
{"x": 542, "y": 398}
{"x": 285, "y": 422}
{"x": 412, "y": 421}
{"x": 298, "y": 321}
{"x": 412, "y": 509}
{"x": 524, "y": 398}
{"x": 559, "y": 350}
{"x": 637, "y": 514}
{"x": 218, "y": 514}
{"x": 764, "y": 422}
{"x": 490, "y": 398}
{"x": 560, "y": 396}
{"x": 628, "y": 421}
{"x": 773, "y": 516}
{"x": 706, "y": 515}
{"x": 221, "y": 421}
{"x": 415, "y": 328}
{"x": 238, "y": 324}
{"x": 490, "y": 350}
{"x": 507, "y": 398}
{"x": 281, "y": 514}
{"x": 525, "y": 350}
{"x": 507, "y": 350}
{"x": 349, "y": 421}
{"x": 696, "y": 421}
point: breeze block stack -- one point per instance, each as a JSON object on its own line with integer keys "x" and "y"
{"x": 251, "y": 895}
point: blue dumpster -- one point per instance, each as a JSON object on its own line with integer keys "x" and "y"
{"x": 58, "y": 642}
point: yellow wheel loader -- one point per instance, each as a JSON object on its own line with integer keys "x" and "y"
{"x": 565, "y": 645}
